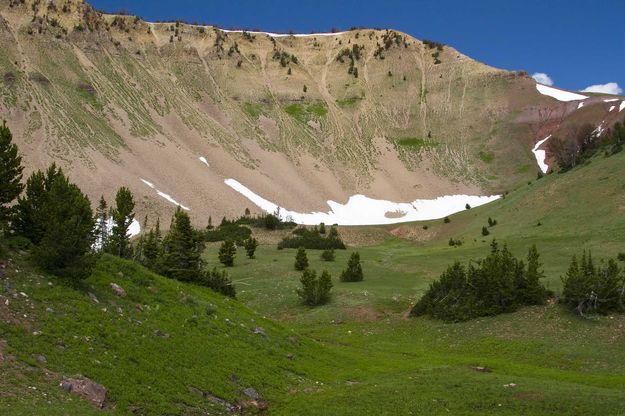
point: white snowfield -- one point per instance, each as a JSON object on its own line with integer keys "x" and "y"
{"x": 580, "y": 105}
{"x": 203, "y": 160}
{"x": 622, "y": 106}
{"x": 612, "y": 108}
{"x": 559, "y": 94}
{"x": 133, "y": 230}
{"x": 541, "y": 155}
{"x": 611, "y": 100}
{"x": 164, "y": 195}
{"x": 361, "y": 210}
{"x": 282, "y": 35}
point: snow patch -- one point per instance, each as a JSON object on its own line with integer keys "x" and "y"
{"x": 580, "y": 105}
{"x": 361, "y": 210}
{"x": 282, "y": 35}
{"x": 203, "y": 160}
{"x": 559, "y": 94}
{"x": 622, "y": 106}
{"x": 611, "y": 100}
{"x": 164, "y": 195}
{"x": 612, "y": 108}
{"x": 541, "y": 155}
{"x": 599, "y": 130}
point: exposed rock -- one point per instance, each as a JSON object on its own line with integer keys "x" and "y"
{"x": 118, "y": 290}
{"x": 260, "y": 331}
{"x": 251, "y": 393}
{"x": 87, "y": 389}
{"x": 231, "y": 407}
{"x": 290, "y": 356}
{"x": 93, "y": 298}
{"x": 481, "y": 369}
{"x": 42, "y": 359}
{"x": 509, "y": 385}
{"x": 160, "y": 334}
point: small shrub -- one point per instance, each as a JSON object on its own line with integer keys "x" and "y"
{"x": 315, "y": 290}
{"x": 467, "y": 206}
{"x": 446, "y": 220}
{"x": 227, "y": 253}
{"x": 621, "y": 256}
{"x": 250, "y": 247}
{"x": 485, "y": 231}
{"x": 328, "y": 255}
{"x": 220, "y": 282}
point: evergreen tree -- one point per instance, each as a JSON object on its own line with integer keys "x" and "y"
{"x": 227, "y": 253}
{"x": 333, "y": 234}
{"x": 576, "y": 291}
{"x": 66, "y": 232}
{"x": 219, "y": 281}
{"x": 328, "y": 255}
{"x": 609, "y": 287}
{"x": 29, "y": 220}
{"x": 250, "y": 245}
{"x": 315, "y": 290}
{"x": 210, "y": 223}
{"x": 181, "y": 250}
{"x": 353, "y": 273}
{"x": 533, "y": 292}
{"x": 10, "y": 174}
{"x": 322, "y": 228}
{"x": 152, "y": 248}
{"x": 301, "y": 260}
{"x": 122, "y": 216}
{"x": 102, "y": 225}
{"x": 485, "y": 231}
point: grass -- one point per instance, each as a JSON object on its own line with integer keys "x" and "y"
{"x": 253, "y": 110}
{"x": 305, "y": 112}
{"x": 415, "y": 143}
{"x": 487, "y": 157}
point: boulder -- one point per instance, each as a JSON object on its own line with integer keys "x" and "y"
{"x": 118, "y": 290}
{"x": 87, "y": 389}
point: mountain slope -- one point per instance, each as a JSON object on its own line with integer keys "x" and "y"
{"x": 297, "y": 119}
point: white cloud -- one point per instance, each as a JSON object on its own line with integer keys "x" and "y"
{"x": 542, "y": 78}
{"x": 609, "y": 88}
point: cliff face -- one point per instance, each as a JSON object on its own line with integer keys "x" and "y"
{"x": 297, "y": 119}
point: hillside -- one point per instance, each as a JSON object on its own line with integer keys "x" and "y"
{"x": 171, "y": 110}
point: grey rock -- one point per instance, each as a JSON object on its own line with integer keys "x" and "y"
{"x": 251, "y": 393}
{"x": 118, "y": 290}
{"x": 42, "y": 359}
{"x": 87, "y": 389}
{"x": 260, "y": 331}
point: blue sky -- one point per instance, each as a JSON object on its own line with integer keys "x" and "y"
{"x": 577, "y": 43}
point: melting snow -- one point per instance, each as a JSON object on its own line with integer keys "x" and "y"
{"x": 622, "y": 106}
{"x": 164, "y": 195}
{"x": 203, "y": 160}
{"x": 361, "y": 210}
{"x": 610, "y": 100}
{"x": 133, "y": 230}
{"x": 612, "y": 108}
{"x": 558, "y": 94}
{"x": 541, "y": 155}
{"x": 281, "y": 35}
{"x": 580, "y": 105}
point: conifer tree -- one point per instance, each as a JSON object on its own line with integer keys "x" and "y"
{"x": 301, "y": 260}
{"x": 315, "y": 290}
{"x": 353, "y": 273}
{"x": 66, "y": 232}
{"x": 328, "y": 255}
{"x": 210, "y": 223}
{"x": 219, "y": 281}
{"x": 122, "y": 216}
{"x": 29, "y": 221}
{"x": 227, "y": 253}
{"x": 10, "y": 174}
{"x": 322, "y": 228}
{"x": 102, "y": 225}
{"x": 485, "y": 231}
{"x": 152, "y": 247}
{"x": 250, "y": 245}
{"x": 181, "y": 250}
{"x": 534, "y": 292}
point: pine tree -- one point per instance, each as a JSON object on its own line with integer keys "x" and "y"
{"x": 66, "y": 231}
{"x": 102, "y": 225}
{"x": 210, "y": 223}
{"x": 250, "y": 245}
{"x": 315, "y": 291}
{"x": 182, "y": 250}
{"x": 122, "y": 216}
{"x": 301, "y": 260}
{"x": 10, "y": 174}
{"x": 485, "y": 231}
{"x": 534, "y": 293}
{"x": 227, "y": 253}
{"x": 29, "y": 221}
{"x": 152, "y": 248}
{"x": 219, "y": 281}
{"x": 328, "y": 255}
{"x": 322, "y": 228}
{"x": 577, "y": 290}
{"x": 353, "y": 273}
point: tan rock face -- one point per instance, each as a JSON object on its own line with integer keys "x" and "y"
{"x": 114, "y": 100}
{"x": 87, "y": 389}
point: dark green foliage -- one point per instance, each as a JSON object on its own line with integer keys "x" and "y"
{"x": 621, "y": 256}
{"x": 122, "y": 216}
{"x": 467, "y": 206}
{"x": 250, "y": 247}
{"x": 491, "y": 222}
{"x": 267, "y": 221}
{"x": 101, "y": 225}
{"x": 228, "y": 230}
{"x": 353, "y": 273}
{"x": 496, "y": 284}
{"x": 313, "y": 239}
{"x": 152, "y": 248}
{"x": 10, "y": 174}
{"x": 219, "y": 281}
{"x": 446, "y": 220}
{"x": 588, "y": 288}
{"x": 227, "y": 253}
{"x": 315, "y": 290}
{"x": 181, "y": 250}
{"x": 485, "y": 231}
{"x": 455, "y": 242}
{"x": 301, "y": 260}
{"x": 64, "y": 227}
{"x": 29, "y": 221}
{"x": 322, "y": 228}
{"x": 328, "y": 255}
